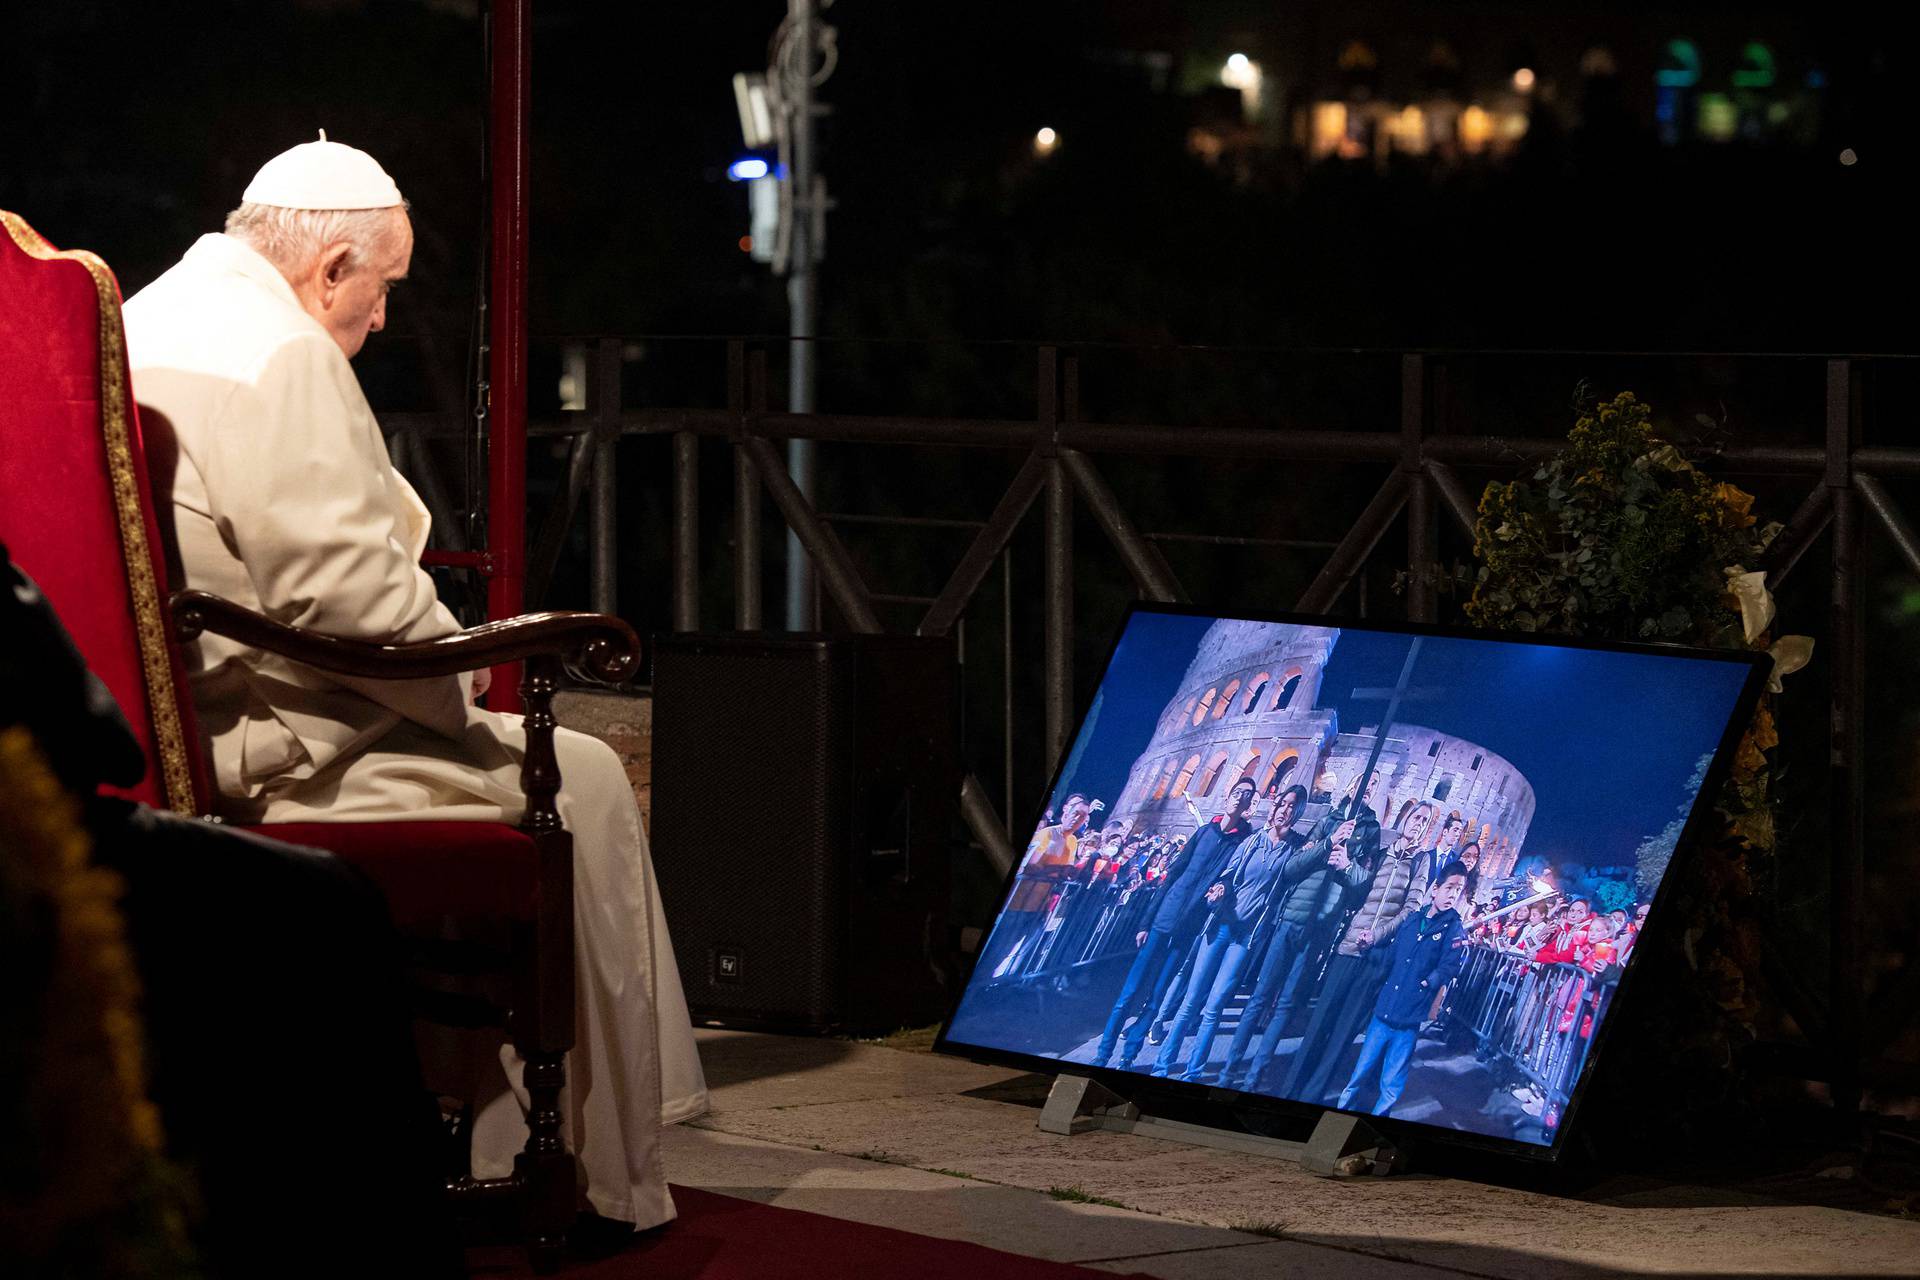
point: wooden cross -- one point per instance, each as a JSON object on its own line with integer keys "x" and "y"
{"x": 1400, "y": 692}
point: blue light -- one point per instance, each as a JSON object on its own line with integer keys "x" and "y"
{"x": 747, "y": 170}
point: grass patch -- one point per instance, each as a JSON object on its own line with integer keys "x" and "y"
{"x": 954, "y": 1173}
{"x": 908, "y": 1039}
{"x": 1272, "y": 1228}
{"x": 1074, "y": 1195}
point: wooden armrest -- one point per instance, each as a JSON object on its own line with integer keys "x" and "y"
{"x": 592, "y": 646}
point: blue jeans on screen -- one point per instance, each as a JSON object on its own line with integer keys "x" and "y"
{"x": 1390, "y": 1049}
{"x": 1219, "y": 961}
{"x": 1148, "y": 960}
{"x": 1271, "y": 1001}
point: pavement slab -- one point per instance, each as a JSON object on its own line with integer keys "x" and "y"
{"x": 865, "y": 1126}
{"x": 1016, "y": 1219}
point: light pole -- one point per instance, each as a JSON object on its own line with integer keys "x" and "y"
{"x": 789, "y": 203}
{"x": 794, "y": 71}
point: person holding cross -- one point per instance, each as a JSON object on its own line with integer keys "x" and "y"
{"x": 1316, "y": 885}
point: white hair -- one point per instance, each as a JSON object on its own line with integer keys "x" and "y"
{"x": 292, "y": 238}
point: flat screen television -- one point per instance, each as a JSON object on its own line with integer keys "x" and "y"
{"x": 1384, "y": 869}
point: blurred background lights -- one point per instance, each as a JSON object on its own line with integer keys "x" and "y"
{"x": 1243, "y": 73}
{"x": 1523, "y": 80}
{"x": 1045, "y": 141}
{"x": 747, "y": 170}
{"x": 1847, "y": 157}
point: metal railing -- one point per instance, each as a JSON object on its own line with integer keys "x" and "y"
{"x": 1533, "y": 1022}
{"x": 1084, "y": 922}
{"x": 1060, "y": 458}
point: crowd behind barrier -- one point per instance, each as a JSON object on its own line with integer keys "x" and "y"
{"x": 1528, "y": 983}
{"x": 1533, "y": 1022}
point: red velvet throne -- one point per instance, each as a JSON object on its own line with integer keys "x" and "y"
{"x": 79, "y": 515}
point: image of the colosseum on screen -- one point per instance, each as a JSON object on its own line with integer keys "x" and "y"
{"x": 1355, "y": 868}
{"x": 1250, "y": 707}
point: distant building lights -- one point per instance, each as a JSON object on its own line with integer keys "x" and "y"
{"x": 1848, "y": 158}
{"x": 1329, "y": 127}
{"x": 1598, "y": 61}
{"x": 1756, "y": 70}
{"x": 1409, "y": 129}
{"x": 1523, "y": 80}
{"x": 1683, "y": 66}
{"x": 1476, "y": 128}
{"x": 1717, "y": 118}
{"x": 747, "y": 169}
{"x": 1243, "y": 73}
{"x": 746, "y": 244}
{"x": 1045, "y": 142}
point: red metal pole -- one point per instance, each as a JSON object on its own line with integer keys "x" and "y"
{"x": 507, "y": 416}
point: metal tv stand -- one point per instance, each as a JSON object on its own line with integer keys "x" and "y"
{"x": 1341, "y": 1146}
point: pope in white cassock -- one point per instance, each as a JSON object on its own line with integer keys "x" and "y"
{"x": 284, "y": 500}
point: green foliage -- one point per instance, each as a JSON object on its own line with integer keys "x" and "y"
{"x": 1620, "y": 537}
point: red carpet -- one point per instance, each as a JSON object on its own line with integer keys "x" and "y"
{"x": 721, "y": 1238}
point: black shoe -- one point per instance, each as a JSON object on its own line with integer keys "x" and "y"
{"x": 1158, "y": 1033}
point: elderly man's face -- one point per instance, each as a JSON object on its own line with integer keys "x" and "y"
{"x": 350, "y": 302}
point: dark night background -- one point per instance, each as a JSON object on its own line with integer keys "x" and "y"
{"x": 132, "y": 128}
{"x": 1207, "y": 266}
{"x": 1607, "y": 740}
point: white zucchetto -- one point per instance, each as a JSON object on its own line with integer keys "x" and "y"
{"x": 323, "y": 175}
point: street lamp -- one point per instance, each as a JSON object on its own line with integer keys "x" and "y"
{"x": 1243, "y": 73}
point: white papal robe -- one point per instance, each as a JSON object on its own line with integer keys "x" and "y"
{"x": 284, "y": 500}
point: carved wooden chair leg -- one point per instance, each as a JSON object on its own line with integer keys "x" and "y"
{"x": 545, "y": 1167}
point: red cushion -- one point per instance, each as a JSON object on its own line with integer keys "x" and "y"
{"x": 433, "y": 869}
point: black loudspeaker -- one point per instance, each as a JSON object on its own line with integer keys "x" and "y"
{"x": 804, "y": 795}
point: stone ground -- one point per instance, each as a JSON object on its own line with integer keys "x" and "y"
{"x": 887, "y": 1133}
{"x": 622, "y": 721}
{"x": 901, "y": 1138}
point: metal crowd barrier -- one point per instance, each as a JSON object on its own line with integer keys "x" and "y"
{"x": 1533, "y": 1021}
{"x": 1084, "y": 924}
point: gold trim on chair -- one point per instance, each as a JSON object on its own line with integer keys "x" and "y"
{"x": 163, "y": 709}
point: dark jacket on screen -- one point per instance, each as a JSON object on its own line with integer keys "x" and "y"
{"x": 1424, "y": 960}
{"x": 1199, "y": 865}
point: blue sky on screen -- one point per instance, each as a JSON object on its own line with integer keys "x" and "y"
{"x": 1608, "y": 740}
